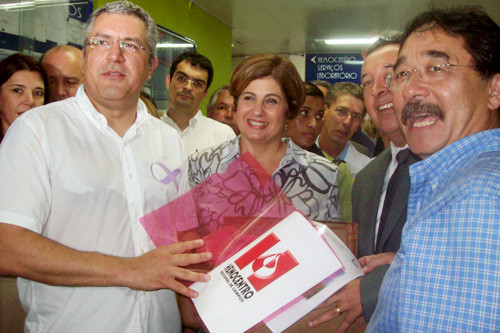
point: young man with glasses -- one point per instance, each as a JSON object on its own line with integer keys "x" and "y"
{"x": 446, "y": 92}
{"x": 82, "y": 177}
{"x": 188, "y": 82}
{"x": 343, "y": 117}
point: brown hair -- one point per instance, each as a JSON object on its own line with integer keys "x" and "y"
{"x": 19, "y": 62}
{"x": 280, "y": 69}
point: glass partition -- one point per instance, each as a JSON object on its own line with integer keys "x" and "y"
{"x": 33, "y": 27}
{"x": 170, "y": 46}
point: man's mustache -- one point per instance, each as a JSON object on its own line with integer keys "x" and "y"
{"x": 421, "y": 108}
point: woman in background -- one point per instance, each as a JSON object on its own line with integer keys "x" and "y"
{"x": 23, "y": 83}
{"x": 22, "y": 87}
{"x": 304, "y": 129}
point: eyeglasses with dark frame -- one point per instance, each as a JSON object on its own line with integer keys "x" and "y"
{"x": 182, "y": 79}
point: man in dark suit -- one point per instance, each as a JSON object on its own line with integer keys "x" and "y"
{"x": 369, "y": 189}
{"x": 359, "y": 297}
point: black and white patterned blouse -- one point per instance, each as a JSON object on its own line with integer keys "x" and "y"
{"x": 310, "y": 181}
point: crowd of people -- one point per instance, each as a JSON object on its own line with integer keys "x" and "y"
{"x": 78, "y": 172}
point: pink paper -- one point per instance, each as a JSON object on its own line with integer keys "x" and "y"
{"x": 228, "y": 210}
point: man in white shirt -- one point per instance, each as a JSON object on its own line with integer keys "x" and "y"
{"x": 343, "y": 117}
{"x": 190, "y": 77}
{"x": 86, "y": 169}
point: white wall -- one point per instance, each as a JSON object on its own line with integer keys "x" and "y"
{"x": 299, "y": 62}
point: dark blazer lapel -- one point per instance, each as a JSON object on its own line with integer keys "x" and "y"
{"x": 373, "y": 182}
{"x": 397, "y": 212}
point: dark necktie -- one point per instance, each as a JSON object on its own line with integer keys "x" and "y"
{"x": 394, "y": 181}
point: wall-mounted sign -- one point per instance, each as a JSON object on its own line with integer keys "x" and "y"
{"x": 334, "y": 67}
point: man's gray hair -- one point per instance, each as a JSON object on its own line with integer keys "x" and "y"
{"x": 214, "y": 98}
{"x": 127, "y": 8}
{"x": 341, "y": 88}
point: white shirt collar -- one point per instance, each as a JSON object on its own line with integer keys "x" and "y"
{"x": 100, "y": 121}
{"x": 192, "y": 122}
{"x": 395, "y": 150}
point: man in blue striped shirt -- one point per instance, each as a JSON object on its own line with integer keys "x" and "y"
{"x": 446, "y": 92}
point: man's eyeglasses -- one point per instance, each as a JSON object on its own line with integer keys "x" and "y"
{"x": 432, "y": 73}
{"x": 342, "y": 112}
{"x": 103, "y": 43}
{"x": 184, "y": 79}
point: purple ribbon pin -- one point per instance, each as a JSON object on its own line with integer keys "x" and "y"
{"x": 171, "y": 176}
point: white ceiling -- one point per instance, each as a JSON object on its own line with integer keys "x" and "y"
{"x": 291, "y": 26}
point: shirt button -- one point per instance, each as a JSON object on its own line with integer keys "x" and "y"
{"x": 129, "y": 176}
